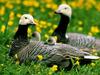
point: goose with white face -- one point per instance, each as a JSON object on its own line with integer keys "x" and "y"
{"x": 64, "y": 9}
{"x": 27, "y": 19}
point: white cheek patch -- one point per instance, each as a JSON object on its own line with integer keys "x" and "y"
{"x": 66, "y": 36}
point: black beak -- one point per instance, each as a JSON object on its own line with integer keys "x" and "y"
{"x": 56, "y": 12}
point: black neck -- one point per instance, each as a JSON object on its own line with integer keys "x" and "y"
{"x": 21, "y": 32}
{"x": 62, "y": 27}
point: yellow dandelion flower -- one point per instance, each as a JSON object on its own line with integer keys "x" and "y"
{"x": 35, "y": 3}
{"x": 98, "y": 6}
{"x": 48, "y": 5}
{"x": 55, "y": 26}
{"x": 46, "y": 36}
{"x": 3, "y": 28}
{"x": 94, "y": 50}
{"x": 93, "y": 64}
{"x": 80, "y": 22}
{"x": 10, "y": 23}
{"x": 2, "y": 64}
{"x": 64, "y": 2}
{"x": 15, "y": 29}
{"x": 31, "y": 10}
{"x": 73, "y": 4}
{"x": 77, "y": 62}
{"x": 38, "y": 29}
{"x": 49, "y": 24}
{"x": 50, "y": 73}
{"x": 94, "y": 29}
{"x": 18, "y": 15}
{"x": 56, "y": 38}
{"x": 51, "y": 14}
{"x": 2, "y": 19}
{"x": 40, "y": 57}
{"x": 17, "y": 61}
{"x": 18, "y": 1}
{"x": 16, "y": 56}
{"x": 29, "y": 30}
{"x": 9, "y": 5}
{"x": 54, "y": 68}
{"x": 45, "y": 26}
{"x": 54, "y": 6}
{"x": 80, "y": 29}
{"x": 50, "y": 31}
{"x": 90, "y": 34}
{"x": 27, "y": 3}
{"x": 42, "y": 9}
{"x": 8, "y": 45}
{"x": 11, "y": 14}
{"x": 77, "y": 58}
{"x": 48, "y": 1}
{"x": 2, "y": 10}
{"x": 2, "y": 1}
{"x": 36, "y": 20}
{"x": 80, "y": 3}
{"x": 95, "y": 53}
{"x": 42, "y": 22}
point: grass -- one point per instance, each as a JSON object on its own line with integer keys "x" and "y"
{"x": 85, "y": 19}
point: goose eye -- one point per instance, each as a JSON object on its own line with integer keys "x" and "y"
{"x": 25, "y": 17}
{"x": 65, "y": 8}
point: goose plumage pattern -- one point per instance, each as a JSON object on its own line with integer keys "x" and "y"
{"x": 52, "y": 54}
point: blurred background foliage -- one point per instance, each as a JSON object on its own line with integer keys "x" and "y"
{"x": 85, "y": 19}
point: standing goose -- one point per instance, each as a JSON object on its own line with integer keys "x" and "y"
{"x": 73, "y": 39}
{"x": 20, "y": 38}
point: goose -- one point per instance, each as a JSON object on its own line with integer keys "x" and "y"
{"x": 78, "y": 40}
{"x": 36, "y": 36}
{"x": 51, "y": 41}
{"x": 25, "y": 50}
{"x": 20, "y": 39}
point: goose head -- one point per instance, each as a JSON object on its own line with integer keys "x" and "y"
{"x": 51, "y": 41}
{"x": 27, "y": 19}
{"x": 36, "y": 36}
{"x": 65, "y": 10}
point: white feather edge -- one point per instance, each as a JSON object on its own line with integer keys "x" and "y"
{"x": 91, "y": 57}
{"x": 66, "y": 36}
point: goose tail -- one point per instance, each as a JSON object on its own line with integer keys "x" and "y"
{"x": 91, "y": 57}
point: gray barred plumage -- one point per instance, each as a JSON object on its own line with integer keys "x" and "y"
{"x": 28, "y": 50}
{"x": 80, "y": 40}
{"x": 17, "y": 45}
{"x": 51, "y": 53}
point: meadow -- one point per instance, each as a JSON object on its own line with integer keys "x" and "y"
{"x": 85, "y": 19}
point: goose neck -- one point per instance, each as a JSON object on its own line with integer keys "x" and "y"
{"x": 21, "y": 32}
